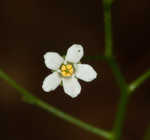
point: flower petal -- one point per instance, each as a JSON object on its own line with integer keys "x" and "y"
{"x": 53, "y": 60}
{"x": 51, "y": 82}
{"x": 85, "y": 72}
{"x": 74, "y": 53}
{"x": 71, "y": 86}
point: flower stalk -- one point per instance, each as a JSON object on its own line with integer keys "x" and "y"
{"x": 29, "y": 98}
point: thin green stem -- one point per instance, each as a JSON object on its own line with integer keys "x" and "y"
{"x": 120, "y": 116}
{"x": 118, "y": 125}
{"x": 29, "y": 98}
{"x": 124, "y": 88}
{"x": 140, "y": 80}
{"x": 107, "y": 26}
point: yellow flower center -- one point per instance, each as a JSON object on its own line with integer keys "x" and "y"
{"x": 67, "y": 70}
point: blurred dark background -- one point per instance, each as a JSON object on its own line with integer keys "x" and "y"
{"x": 29, "y": 28}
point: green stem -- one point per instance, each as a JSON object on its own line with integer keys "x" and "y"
{"x": 118, "y": 126}
{"x": 140, "y": 80}
{"x": 120, "y": 116}
{"x": 108, "y": 31}
{"x": 29, "y": 98}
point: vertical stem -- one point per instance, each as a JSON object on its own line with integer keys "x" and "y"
{"x": 118, "y": 126}
{"x": 108, "y": 31}
{"x": 120, "y": 116}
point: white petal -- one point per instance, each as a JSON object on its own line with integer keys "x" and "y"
{"x": 53, "y": 60}
{"x": 85, "y": 72}
{"x": 71, "y": 86}
{"x": 51, "y": 82}
{"x": 74, "y": 53}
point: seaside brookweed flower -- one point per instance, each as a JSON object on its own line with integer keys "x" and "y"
{"x": 67, "y": 71}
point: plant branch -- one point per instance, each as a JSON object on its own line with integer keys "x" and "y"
{"x": 140, "y": 80}
{"x": 120, "y": 116}
{"x": 29, "y": 98}
{"x": 118, "y": 125}
{"x": 108, "y": 31}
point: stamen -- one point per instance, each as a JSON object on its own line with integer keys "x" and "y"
{"x": 67, "y": 70}
{"x": 63, "y": 68}
{"x": 69, "y": 66}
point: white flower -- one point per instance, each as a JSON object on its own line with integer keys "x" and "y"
{"x": 67, "y": 70}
